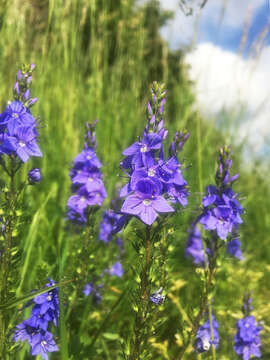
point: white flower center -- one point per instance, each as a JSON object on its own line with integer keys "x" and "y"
{"x": 143, "y": 148}
{"x": 90, "y": 179}
{"x": 82, "y": 199}
{"x": 205, "y": 344}
{"x": 151, "y": 172}
{"x": 88, "y": 157}
{"x": 15, "y": 115}
{"x": 21, "y": 143}
{"x": 44, "y": 344}
{"x": 146, "y": 202}
{"x": 49, "y": 298}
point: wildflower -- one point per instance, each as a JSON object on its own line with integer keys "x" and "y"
{"x": 195, "y": 247}
{"x": 87, "y": 181}
{"x": 106, "y": 227}
{"x": 116, "y": 269}
{"x": 34, "y": 330}
{"x": 93, "y": 289}
{"x": 203, "y": 340}
{"x": 157, "y": 298}
{"x": 34, "y": 176}
{"x": 153, "y": 179}
{"x": 17, "y": 124}
{"x": 43, "y": 343}
{"x": 221, "y": 209}
{"x": 234, "y": 248}
{"x": 247, "y": 339}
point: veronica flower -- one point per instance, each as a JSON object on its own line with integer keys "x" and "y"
{"x": 34, "y": 329}
{"x": 93, "y": 289}
{"x": 107, "y": 225}
{"x": 195, "y": 246}
{"x": 43, "y": 343}
{"x": 203, "y": 340}
{"x": 146, "y": 203}
{"x": 87, "y": 181}
{"x": 153, "y": 179}
{"x": 157, "y": 298}
{"x": 117, "y": 269}
{"x": 222, "y": 211}
{"x": 15, "y": 115}
{"x": 247, "y": 340}
{"x": 234, "y": 248}
{"x": 34, "y": 176}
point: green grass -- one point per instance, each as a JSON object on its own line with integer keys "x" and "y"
{"x": 96, "y": 59}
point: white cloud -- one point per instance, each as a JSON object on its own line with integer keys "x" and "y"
{"x": 182, "y": 28}
{"x": 224, "y": 80}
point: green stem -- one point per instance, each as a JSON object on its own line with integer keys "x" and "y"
{"x": 203, "y": 307}
{"x": 140, "y": 326}
{"x": 6, "y": 256}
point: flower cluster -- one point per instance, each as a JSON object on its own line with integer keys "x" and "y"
{"x": 35, "y": 329}
{"x": 94, "y": 289}
{"x": 153, "y": 180}
{"x": 195, "y": 246}
{"x": 18, "y": 127}
{"x": 247, "y": 339}
{"x": 221, "y": 210}
{"x": 203, "y": 340}
{"x": 86, "y": 179}
{"x": 107, "y": 225}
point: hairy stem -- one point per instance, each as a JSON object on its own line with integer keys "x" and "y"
{"x": 140, "y": 326}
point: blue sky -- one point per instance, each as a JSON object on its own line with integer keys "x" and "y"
{"x": 228, "y": 35}
{"x": 226, "y": 78}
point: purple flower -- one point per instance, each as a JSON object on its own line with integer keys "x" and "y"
{"x": 34, "y": 329}
{"x": 141, "y": 152}
{"x": 93, "y": 289}
{"x": 87, "y": 181}
{"x": 43, "y": 343}
{"x": 152, "y": 179}
{"x": 234, "y": 248}
{"x": 107, "y": 225}
{"x": 23, "y": 142}
{"x": 16, "y": 115}
{"x": 87, "y": 158}
{"x": 47, "y": 302}
{"x": 87, "y": 289}
{"x": 195, "y": 247}
{"x": 116, "y": 269}
{"x": 203, "y": 340}
{"x": 34, "y": 176}
{"x": 247, "y": 339}
{"x": 146, "y": 209}
{"x": 157, "y": 298}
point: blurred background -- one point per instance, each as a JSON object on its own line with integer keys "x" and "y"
{"x": 97, "y": 59}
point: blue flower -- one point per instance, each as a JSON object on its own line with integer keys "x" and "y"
{"x": 153, "y": 179}
{"x": 247, "y": 339}
{"x": 34, "y": 329}
{"x": 87, "y": 181}
{"x": 203, "y": 340}
{"x": 107, "y": 225}
{"x": 195, "y": 247}
{"x": 34, "y": 176}
{"x": 117, "y": 269}
{"x": 157, "y": 298}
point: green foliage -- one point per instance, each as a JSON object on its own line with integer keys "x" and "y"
{"x": 96, "y": 59}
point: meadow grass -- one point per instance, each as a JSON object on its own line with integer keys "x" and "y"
{"x": 96, "y": 59}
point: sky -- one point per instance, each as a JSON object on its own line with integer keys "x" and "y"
{"x": 229, "y": 58}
